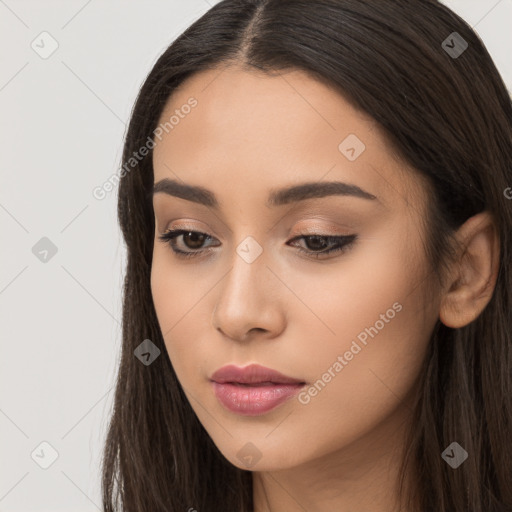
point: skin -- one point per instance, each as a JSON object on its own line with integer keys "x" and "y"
{"x": 251, "y": 133}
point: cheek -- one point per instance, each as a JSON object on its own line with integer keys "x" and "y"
{"x": 375, "y": 327}
{"x": 179, "y": 303}
{"x": 372, "y": 292}
{"x": 174, "y": 292}
{"x": 358, "y": 386}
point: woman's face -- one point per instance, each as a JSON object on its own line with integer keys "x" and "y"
{"x": 352, "y": 325}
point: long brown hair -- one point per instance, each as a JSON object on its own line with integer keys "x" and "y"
{"x": 450, "y": 118}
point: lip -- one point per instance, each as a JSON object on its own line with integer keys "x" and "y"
{"x": 251, "y": 374}
{"x": 254, "y": 389}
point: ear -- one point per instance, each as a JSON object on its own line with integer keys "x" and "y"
{"x": 474, "y": 274}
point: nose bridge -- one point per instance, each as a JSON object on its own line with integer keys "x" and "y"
{"x": 244, "y": 301}
{"x": 248, "y": 277}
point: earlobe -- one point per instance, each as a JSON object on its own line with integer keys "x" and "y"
{"x": 474, "y": 273}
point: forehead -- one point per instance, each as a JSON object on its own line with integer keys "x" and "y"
{"x": 257, "y": 132}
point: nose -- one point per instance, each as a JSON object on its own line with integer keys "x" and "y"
{"x": 250, "y": 301}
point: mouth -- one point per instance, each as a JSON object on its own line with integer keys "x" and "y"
{"x": 253, "y": 390}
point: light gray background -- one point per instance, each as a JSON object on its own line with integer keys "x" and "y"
{"x": 62, "y": 123}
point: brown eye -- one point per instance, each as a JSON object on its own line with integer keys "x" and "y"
{"x": 195, "y": 239}
{"x": 319, "y": 246}
{"x": 192, "y": 240}
{"x": 316, "y": 243}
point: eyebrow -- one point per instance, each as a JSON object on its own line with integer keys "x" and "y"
{"x": 277, "y": 197}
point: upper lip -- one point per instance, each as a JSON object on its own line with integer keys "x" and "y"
{"x": 252, "y": 374}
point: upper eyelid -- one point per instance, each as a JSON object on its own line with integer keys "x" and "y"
{"x": 314, "y": 229}
{"x": 306, "y": 209}
{"x": 299, "y": 234}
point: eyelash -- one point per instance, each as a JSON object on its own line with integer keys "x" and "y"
{"x": 344, "y": 242}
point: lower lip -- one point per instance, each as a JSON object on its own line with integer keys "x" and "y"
{"x": 253, "y": 400}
